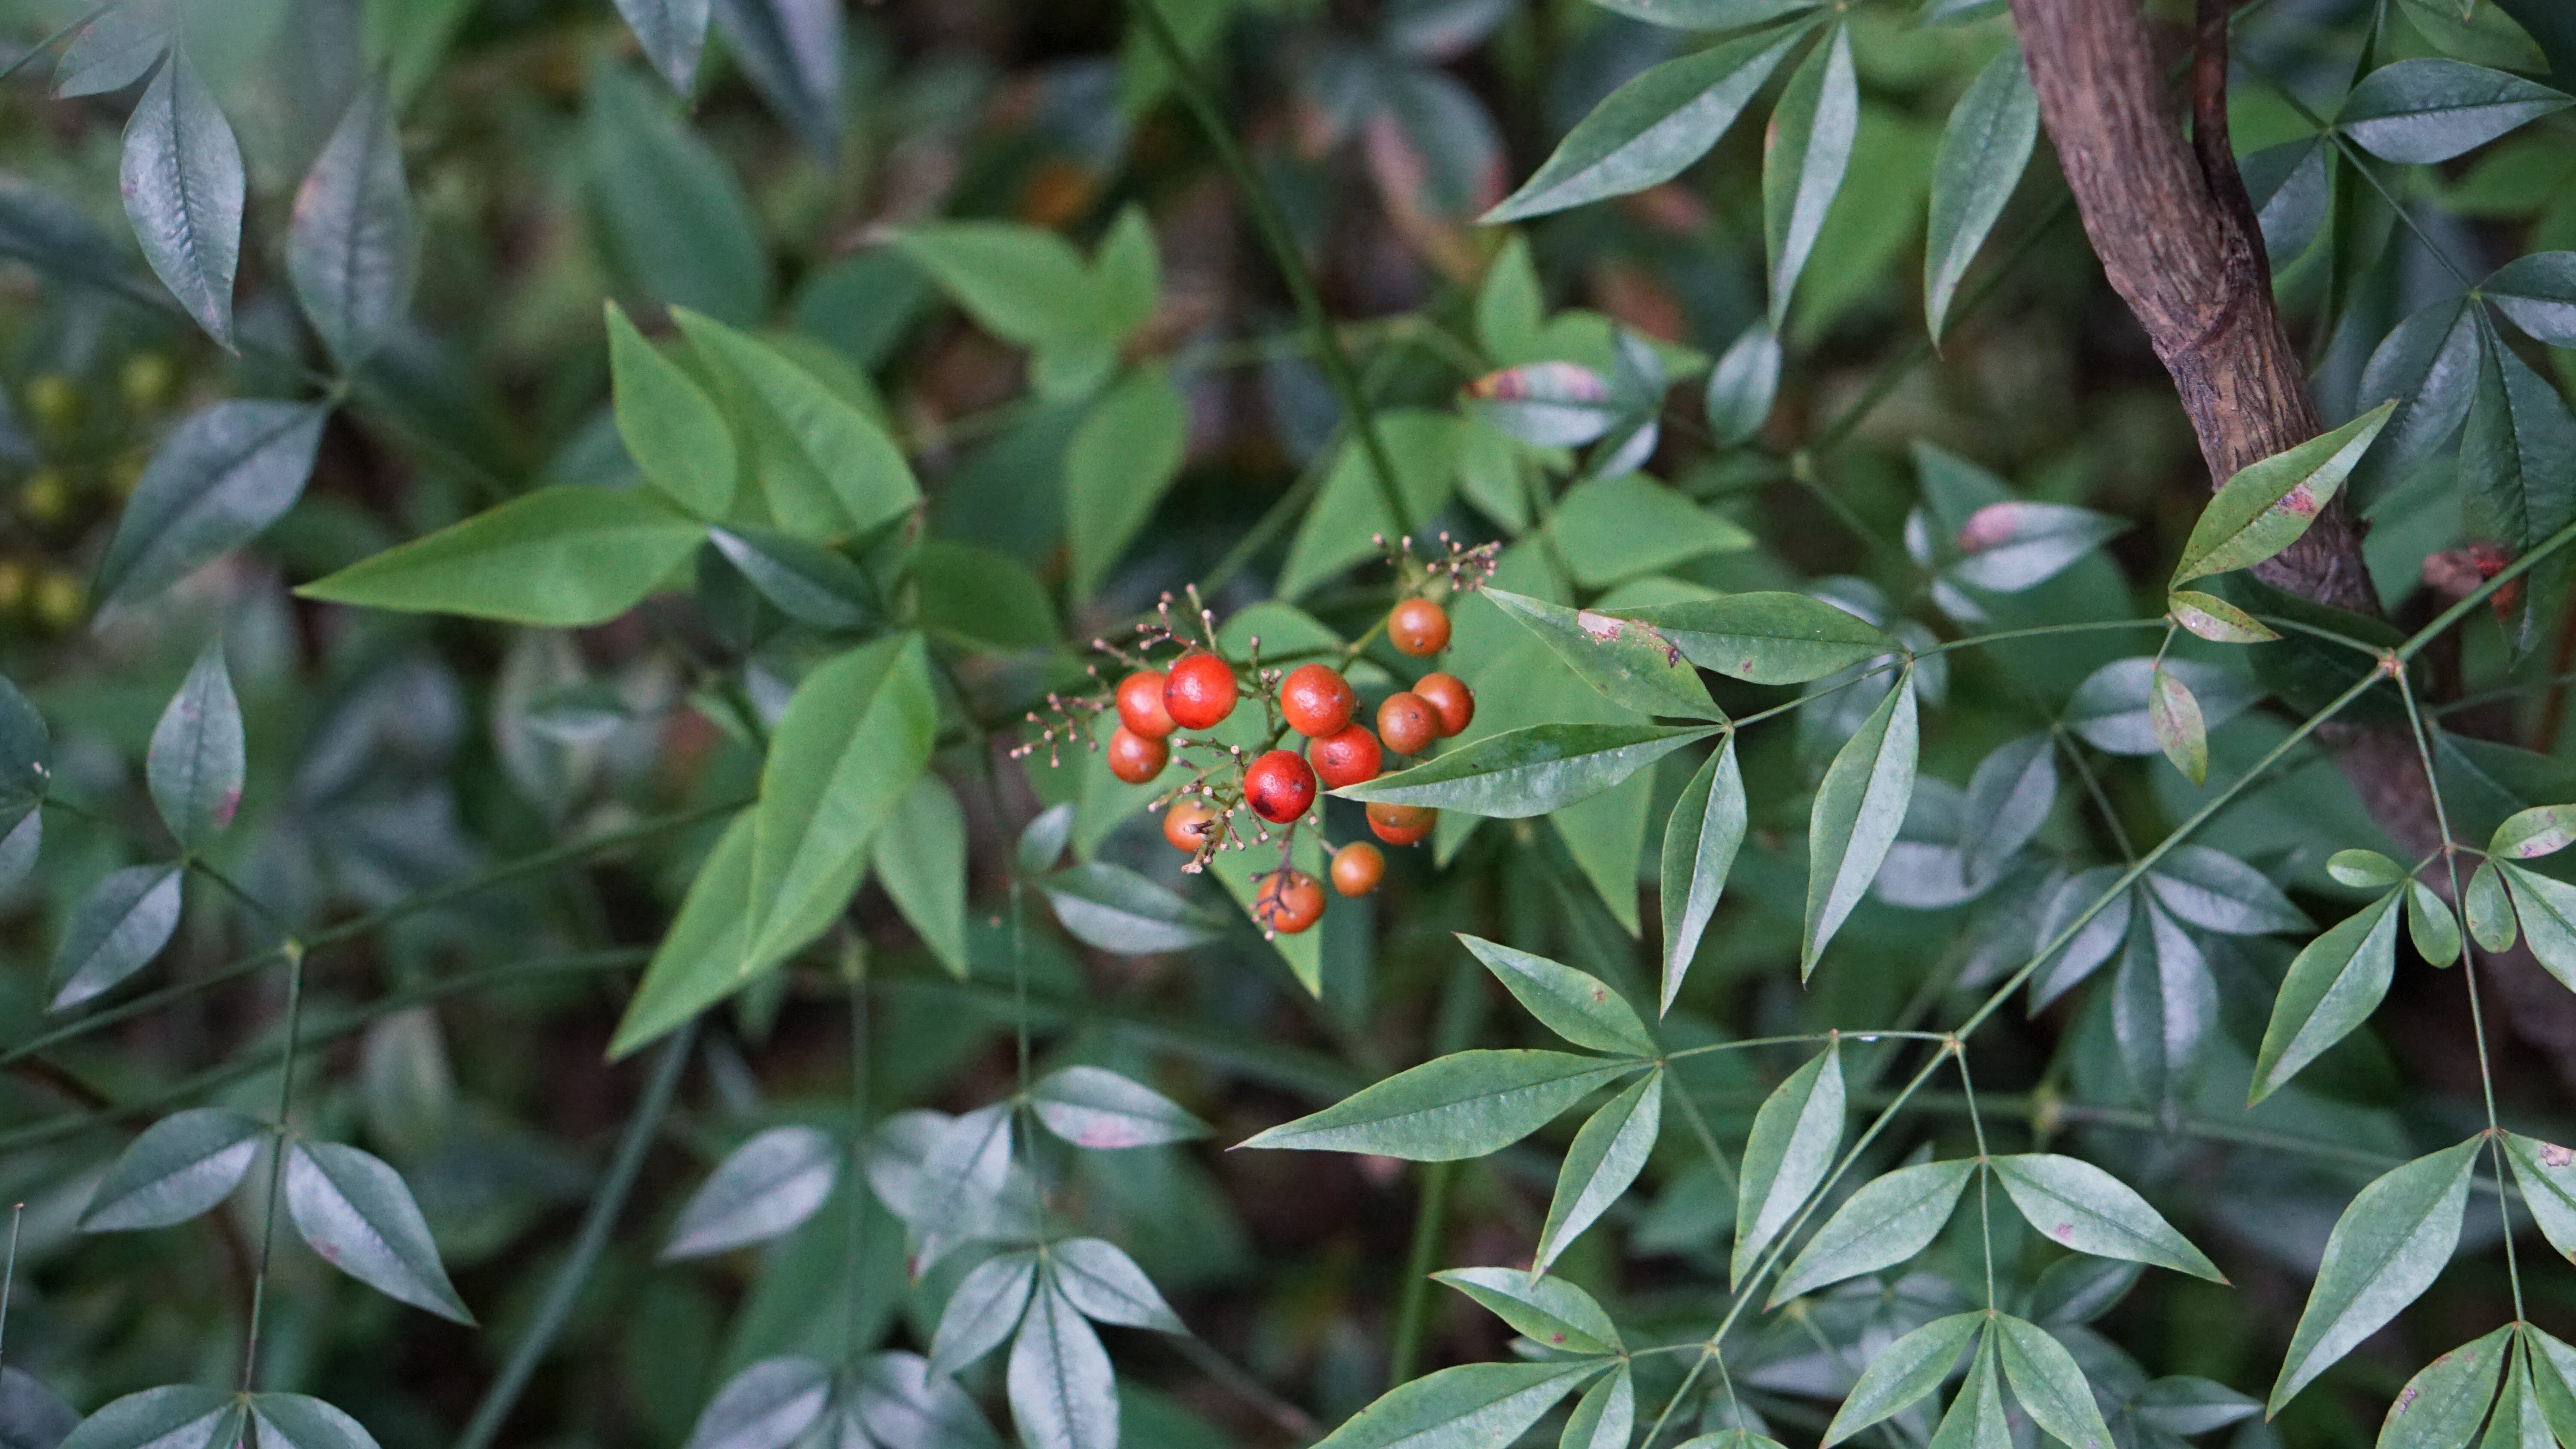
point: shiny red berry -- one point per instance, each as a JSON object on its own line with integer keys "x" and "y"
{"x": 1450, "y": 699}
{"x": 1418, "y": 627}
{"x": 1347, "y": 756}
{"x": 1200, "y": 691}
{"x": 1140, "y": 704}
{"x": 1407, "y": 723}
{"x": 1134, "y": 758}
{"x": 1357, "y": 868}
{"x": 1279, "y": 786}
{"x": 1188, "y": 823}
{"x": 1317, "y": 701}
{"x": 1401, "y": 824}
{"x": 1288, "y": 901}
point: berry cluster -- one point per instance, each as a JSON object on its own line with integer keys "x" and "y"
{"x": 1159, "y": 708}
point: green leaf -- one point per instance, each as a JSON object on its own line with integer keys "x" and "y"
{"x": 182, "y": 178}
{"x": 2519, "y": 1421}
{"x": 1548, "y": 1311}
{"x": 2110, "y": 709}
{"x": 983, "y": 1309}
{"x": 1023, "y": 284}
{"x": 1350, "y": 510}
{"x": 217, "y": 482}
{"x": 555, "y": 558}
{"x": 26, "y": 748}
{"x": 1097, "y": 1108}
{"x": 805, "y": 580}
{"x": 2009, "y": 800}
{"x": 2013, "y": 545}
{"x": 355, "y": 1211}
{"x": 195, "y": 763}
{"x": 111, "y": 52}
{"x": 670, "y": 426}
{"x": 2446, "y": 1401}
{"x": 1889, "y": 1220}
{"x": 2537, "y": 292}
{"x": 1904, "y": 1372}
{"x": 2490, "y": 909}
{"x": 2435, "y": 931}
{"x": 2268, "y": 505}
{"x": 353, "y": 248}
{"x": 2386, "y": 1249}
{"x": 2547, "y": 909}
{"x": 1063, "y": 1392}
{"x": 1976, "y": 1417}
{"x": 920, "y": 859}
{"x": 1472, "y": 1406}
{"x": 1803, "y": 159}
{"x": 182, "y": 1165}
{"x": 1611, "y": 529}
{"x": 1700, "y": 841}
{"x": 2051, "y": 1388}
{"x": 1601, "y": 1165}
{"x": 1795, "y": 1136}
{"x": 1705, "y": 14}
{"x": 1648, "y": 130}
{"x": 1115, "y": 909}
{"x": 2546, "y": 1173}
{"x": 2481, "y": 34}
{"x": 1102, "y": 1281}
{"x": 2188, "y": 1405}
{"x": 672, "y": 218}
{"x": 120, "y": 924}
{"x": 1606, "y": 1416}
{"x": 2422, "y": 111}
{"x": 1546, "y": 404}
{"x": 763, "y": 1189}
{"x": 2538, "y": 831}
{"x": 2332, "y": 988}
{"x": 1984, "y": 148}
{"x": 2516, "y": 452}
{"x": 1465, "y": 1104}
{"x": 989, "y": 598}
{"x": 2429, "y": 365}
{"x": 1743, "y": 385}
{"x": 2364, "y": 868}
{"x": 182, "y": 1416}
{"x": 1629, "y": 663}
{"x": 700, "y": 959}
{"x": 855, "y": 736}
{"x": 2552, "y": 1368}
{"x": 1529, "y": 771}
{"x": 1576, "y": 1005}
{"x": 828, "y": 470}
{"x": 2077, "y": 1205}
{"x": 1858, "y": 810}
{"x": 792, "y": 54}
{"x": 300, "y": 1421}
{"x": 672, "y": 32}
{"x": 769, "y": 1405}
{"x": 2175, "y": 714}
{"x": 1121, "y": 462}
{"x": 1766, "y": 638}
{"x": 2217, "y": 620}
{"x": 901, "y": 1406}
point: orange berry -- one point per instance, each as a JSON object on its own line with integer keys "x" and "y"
{"x": 1317, "y": 701}
{"x": 1407, "y": 723}
{"x": 1279, "y": 786}
{"x": 1140, "y": 704}
{"x": 1347, "y": 756}
{"x": 1418, "y": 627}
{"x": 1401, "y": 824}
{"x": 1200, "y": 691}
{"x": 1135, "y": 758}
{"x": 1288, "y": 901}
{"x": 1357, "y": 868}
{"x": 1450, "y": 699}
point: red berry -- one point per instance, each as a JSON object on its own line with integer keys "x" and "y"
{"x": 1401, "y": 824}
{"x": 1200, "y": 691}
{"x": 1187, "y": 824}
{"x": 1418, "y": 627}
{"x": 1140, "y": 704}
{"x": 1279, "y": 786}
{"x": 1450, "y": 699}
{"x": 1134, "y": 758}
{"x": 1316, "y": 700}
{"x": 1346, "y": 757}
{"x": 1357, "y": 868}
{"x": 1407, "y": 723}
{"x": 1288, "y": 901}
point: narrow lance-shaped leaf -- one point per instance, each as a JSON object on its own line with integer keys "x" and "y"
{"x": 1546, "y": 1310}
{"x": 762, "y": 1190}
{"x": 563, "y": 557}
{"x": 1700, "y": 841}
{"x": 355, "y": 1211}
{"x": 671, "y": 428}
{"x": 1976, "y": 1416}
{"x": 2268, "y": 505}
{"x": 1983, "y": 150}
{"x": 1472, "y": 1404}
{"x": 115, "y": 931}
{"x": 2538, "y": 292}
{"x": 1576, "y": 1005}
{"x": 181, "y": 1166}
{"x": 2429, "y": 922}
{"x": 217, "y": 482}
{"x": 2217, "y": 620}
{"x": 2077, "y": 1205}
{"x": 2051, "y": 1388}
{"x": 2516, "y": 452}
{"x": 672, "y": 32}
{"x": 1766, "y": 638}
{"x": 1743, "y": 385}
{"x": 983, "y": 1310}
{"x": 1115, "y": 909}
{"x": 1804, "y": 156}
{"x": 1097, "y": 1108}
{"x": 2489, "y": 908}
{"x": 181, "y": 1416}
{"x": 1602, "y": 1164}
{"x": 1606, "y": 1416}
{"x": 196, "y": 761}
{"x": 112, "y": 52}
{"x": 1904, "y": 1372}
{"x": 832, "y": 471}
{"x": 301, "y": 1421}
{"x": 1550, "y": 404}
{"x": 2016, "y": 544}
{"x": 1645, "y": 132}
{"x": 183, "y": 182}
{"x": 1628, "y": 662}
{"x": 2546, "y": 1173}
{"x": 1122, "y": 460}
{"x": 353, "y": 251}
{"x": 1100, "y": 1279}
{"x": 1889, "y": 1220}
{"x": 769, "y": 1405}
{"x": 2386, "y": 1249}
{"x": 2175, "y": 713}
{"x": 1529, "y": 771}
{"x": 1858, "y": 810}
{"x": 2547, "y": 910}
{"x": 1465, "y": 1104}
{"x": 1795, "y": 1136}
{"x": 2332, "y": 988}
{"x": 2426, "y": 110}
{"x": 1063, "y": 1392}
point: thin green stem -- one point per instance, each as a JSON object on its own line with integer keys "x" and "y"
{"x": 2084, "y": 771}
{"x": 607, "y": 1201}
{"x": 278, "y": 1149}
{"x": 1985, "y": 1174}
{"x": 9, "y": 1274}
{"x": 854, "y": 977}
{"x": 1329, "y": 356}
{"x": 1717, "y": 1154}
{"x": 1414, "y": 1301}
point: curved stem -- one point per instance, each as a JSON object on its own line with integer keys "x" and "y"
{"x": 278, "y": 1149}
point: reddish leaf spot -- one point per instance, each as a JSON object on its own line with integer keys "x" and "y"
{"x": 1107, "y": 1138}
{"x": 1541, "y": 382}
{"x": 2066, "y": 1232}
{"x": 225, "y": 808}
{"x": 2553, "y": 1155}
{"x": 1601, "y": 627}
{"x": 1556, "y": 1338}
{"x": 1989, "y": 527}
